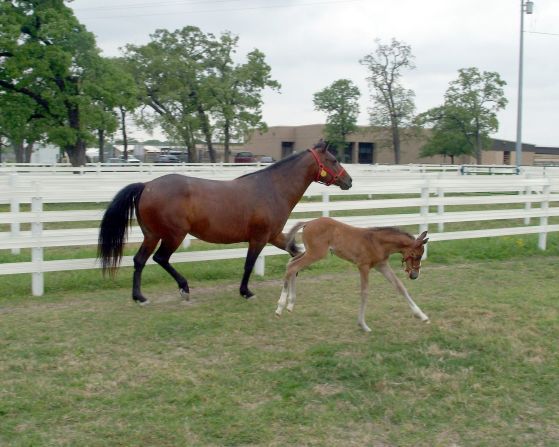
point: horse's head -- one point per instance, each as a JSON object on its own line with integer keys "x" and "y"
{"x": 412, "y": 256}
{"x": 329, "y": 170}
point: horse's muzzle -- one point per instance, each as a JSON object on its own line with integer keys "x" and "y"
{"x": 345, "y": 183}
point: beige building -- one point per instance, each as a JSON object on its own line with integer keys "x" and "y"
{"x": 373, "y": 146}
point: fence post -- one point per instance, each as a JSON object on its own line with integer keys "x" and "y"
{"x": 325, "y": 201}
{"x": 440, "y": 209}
{"x": 186, "y": 242}
{"x": 542, "y": 239}
{"x": 14, "y": 208}
{"x": 424, "y": 225}
{"x": 527, "y": 205}
{"x": 260, "y": 265}
{"x": 37, "y": 279}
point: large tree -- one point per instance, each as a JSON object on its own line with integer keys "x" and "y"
{"x": 237, "y": 92}
{"x": 469, "y": 113}
{"x": 189, "y": 79}
{"x": 340, "y": 102}
{"x": 393, "y": 104}
{"x": 48, "y": 57}
{"x": 169, "y": 71}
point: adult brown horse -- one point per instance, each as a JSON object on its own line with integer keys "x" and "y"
{"x": 253, "y": 208}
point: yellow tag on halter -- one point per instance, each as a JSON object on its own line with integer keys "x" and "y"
{"x": 323, "y": 173}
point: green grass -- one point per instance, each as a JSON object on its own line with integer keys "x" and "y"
{"x": 83, "y": 365}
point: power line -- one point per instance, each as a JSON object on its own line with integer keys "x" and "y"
{"x": 243, "y": 8}
{"x": 152, "y": 5}
{"x": 545, "y": 34}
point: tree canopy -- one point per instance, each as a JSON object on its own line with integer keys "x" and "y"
{"x": 462, "y": 125}
{"x": 188, "y": 78}
{"x": 50, "y": 63}
{"x": 340, "y": 102}
{"x": 393, "y": 104}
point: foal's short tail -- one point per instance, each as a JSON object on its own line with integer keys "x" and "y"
{"x": 114, "y": 226}
{"x": 290, "y": 237}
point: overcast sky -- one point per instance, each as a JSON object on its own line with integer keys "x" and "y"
{"x": 311, "y": 43}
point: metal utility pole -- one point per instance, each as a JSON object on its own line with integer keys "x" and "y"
{"x": 528, "y": 8}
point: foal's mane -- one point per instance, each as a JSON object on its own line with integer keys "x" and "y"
{"x": 398, "y": 231}
{"x": 276, "y": 165}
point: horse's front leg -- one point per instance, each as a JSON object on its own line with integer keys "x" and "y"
{"x": 254, "y": 249}
{"x": 389, "y": 274}
{"x": 364, "y": 275}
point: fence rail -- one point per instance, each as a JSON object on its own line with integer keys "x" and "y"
{"x": 426, "y": 199}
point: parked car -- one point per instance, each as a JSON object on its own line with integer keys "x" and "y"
{"x": 167, "y": 158}
{"x": 266, "y": 159}
{"x": 244, "y": 157}
{"x": 121, "y": 161}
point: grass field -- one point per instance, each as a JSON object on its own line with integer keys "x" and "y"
{"x": 84, "y": 366}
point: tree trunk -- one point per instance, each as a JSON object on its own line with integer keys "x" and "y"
{"x": 18, "y": 150}
{"x": 101, "y": 134}
{"x": 396, "y": 143}
{"x": 226, "y": 142}
{"x": 123, "y": 126}
{"x": 206, "y": 130}
{"x": 27, "y": 151}
{"x": 190, "y": 144}
{"x": 478, "y": 148}
{"x": 76, "y": 151}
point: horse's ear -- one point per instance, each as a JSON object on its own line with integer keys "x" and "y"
{"x": 321, "y": 146}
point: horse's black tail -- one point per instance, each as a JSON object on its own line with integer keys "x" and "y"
{"x": 114, "y": 226}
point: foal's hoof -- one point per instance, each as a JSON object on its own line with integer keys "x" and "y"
{"x": 184, "y": 295}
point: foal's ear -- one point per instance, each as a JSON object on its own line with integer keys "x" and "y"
{"x": 422, "y": 236}
{"x": 421, "y": 240}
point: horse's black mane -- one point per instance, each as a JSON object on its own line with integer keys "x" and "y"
{"x": 392, "y": 230}
{"x": 277, "y": 165}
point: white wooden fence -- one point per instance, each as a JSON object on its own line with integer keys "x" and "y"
{"x": 532, "y": 198}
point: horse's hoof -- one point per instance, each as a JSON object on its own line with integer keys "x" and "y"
{"x": 247, "y": 295}
{"x": 142, "y": 303}
{"x": 184, "y": 295}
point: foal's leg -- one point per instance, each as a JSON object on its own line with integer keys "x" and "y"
{"x": 364, "y": 275}
{"x": 140, "y": 259}
{"x": 389, "y": 274}
{"x": 288, "y": 282}
{"x": 162, "y": 256}
{"x": 310, "y": 256}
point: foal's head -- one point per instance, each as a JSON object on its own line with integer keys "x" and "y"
{"x": 412, "y": 256}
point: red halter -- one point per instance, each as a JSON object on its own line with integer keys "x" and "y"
{"x": 323, "y": 170}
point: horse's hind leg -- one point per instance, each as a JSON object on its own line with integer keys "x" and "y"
{"x": 162, "y": 256}
{"x": 140, "y": 259}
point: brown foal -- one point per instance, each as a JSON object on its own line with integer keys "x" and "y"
{"x": 365, "y": 247}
